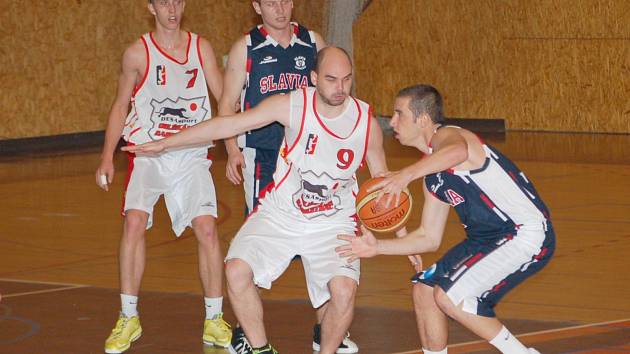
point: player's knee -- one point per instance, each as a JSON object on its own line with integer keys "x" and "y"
{"x": 206, "y": 231}
{"x": 444, "y": 302}
{"x": 238, "y": 275}
{"x": 135, "y": 224}
{"x": 422, "y": 296}
{"x": 342, "y": 291}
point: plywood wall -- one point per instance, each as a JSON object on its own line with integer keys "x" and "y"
{"x": 60, "y": 58}
{"x": 559, "y": 65}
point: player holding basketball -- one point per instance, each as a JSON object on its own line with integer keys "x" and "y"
{"x": 509, "y": 234}
{"x": 165, "y": 75}
{"x": 327, "y": 136}
{"x": 274, "y": 57}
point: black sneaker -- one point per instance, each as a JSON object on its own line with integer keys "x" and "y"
{"x": 239, "y": 344}
{"x": 347, "y": 346}
{"x": 267, "y": 349}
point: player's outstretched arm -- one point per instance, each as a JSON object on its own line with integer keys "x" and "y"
{"x": 272, "y": 109}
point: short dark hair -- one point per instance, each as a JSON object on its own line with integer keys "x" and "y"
{"x": 322, "y": 54}
{"x": 424, "y": 99}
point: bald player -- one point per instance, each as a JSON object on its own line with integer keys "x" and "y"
{"x": 328, "y": 134}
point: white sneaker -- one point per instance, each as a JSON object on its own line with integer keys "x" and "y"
{"x": 533, "y": 351}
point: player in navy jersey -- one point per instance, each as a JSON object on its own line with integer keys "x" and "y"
{"x": 274, "y": 57}
{"x": 509, "y": 233}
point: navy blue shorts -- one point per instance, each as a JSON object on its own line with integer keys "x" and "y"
{"x": 260, "y": 165}
{"x": 478, "y": 273}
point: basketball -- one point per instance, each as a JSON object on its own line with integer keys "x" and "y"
{"x": 375, "y": 216}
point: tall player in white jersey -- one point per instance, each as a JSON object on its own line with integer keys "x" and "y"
{"x": 327, "y": 136}
{"x": 165, "y": 76}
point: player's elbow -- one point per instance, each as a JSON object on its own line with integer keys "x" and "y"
{"x": 432, "y": 244}
{"x": 460, "y": 154}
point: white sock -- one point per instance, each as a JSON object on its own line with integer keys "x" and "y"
{"x": 507, "y": 343}
{"x": 427, "y": 351}
{"x": 213, "y": 306}
{"x": 129, "y": 305}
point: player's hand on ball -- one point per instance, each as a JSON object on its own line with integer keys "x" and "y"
{"x": 358, "y": 246}
{"x": 152, "y": 148}
{"x": 392, "y": 185}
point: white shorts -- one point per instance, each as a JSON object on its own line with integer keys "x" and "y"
{"x": 183, "y": 177}
{"x": 268, "y": 241}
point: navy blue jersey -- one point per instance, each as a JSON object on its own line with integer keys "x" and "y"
{"x": 272, "y": 69}
{"x": 492, "y": 201}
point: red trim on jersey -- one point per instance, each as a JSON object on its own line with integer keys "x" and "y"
{"x": 296, "y": 29}
{"x": 167, "y": 55}
{"x": 284, "y": 177}
{"x": 249, "y": 65}
{"x": 367, "y": 135}
{"x": 487, "y": 200}
{"x": 263, "y": 31}
{"x": 146, "y": 69}
{"x": 199, "y": 51}
{"x": 324, "y": 125}
{"x": 133, "y": 132}
{"x": 131, "y": 157}
{"x": 288, "y": 151}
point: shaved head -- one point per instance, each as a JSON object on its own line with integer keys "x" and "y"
{"x": 335, "y": 54}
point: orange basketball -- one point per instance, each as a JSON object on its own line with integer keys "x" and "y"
{"x": 375, "y": 216}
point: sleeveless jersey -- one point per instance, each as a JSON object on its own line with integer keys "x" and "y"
{"x": 172, "y": 96}
{"x": 492, "y": 201}
{"x": 272, "y": 69}
{"x": 315, "y": 173}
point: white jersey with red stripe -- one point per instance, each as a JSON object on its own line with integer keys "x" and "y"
{"x": 172, "y": 96}
{"x": 315, "y": 173}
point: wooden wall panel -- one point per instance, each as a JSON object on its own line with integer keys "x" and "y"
{"x": 541, "y": 65}
{"x": 61, "y": 58}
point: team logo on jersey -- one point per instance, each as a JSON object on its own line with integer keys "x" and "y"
{"x": 268, "y": 59}
{"x": 300, "y": 62}
{"x": 318, "y": 194}
{"x": 169, "y": 117}
{"x": 283, "y": 82}
{"x": 311, "y": 144}
{"x": 160, "y": 75}
{"x": 454, "y": 198}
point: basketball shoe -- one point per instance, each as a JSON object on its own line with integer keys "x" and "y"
{"x": 533, "y": 351}
{"x": 239, "y": 344}
{"x": 217, "y": 332}
{"x": 267, "y": 349}
{"x": 347, "y": 346}
{"x": 126, "y": 331}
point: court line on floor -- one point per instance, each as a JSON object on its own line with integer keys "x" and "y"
{"x": 531, "y": 334}
{"x": 44, "y": 291}
{"x": 39, "y": 282}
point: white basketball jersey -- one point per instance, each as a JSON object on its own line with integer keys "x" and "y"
{"x": 315, "y": 173}
{"x": 172, "y": 96}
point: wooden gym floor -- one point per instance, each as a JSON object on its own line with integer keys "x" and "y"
{"x": 59, "y": 273}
